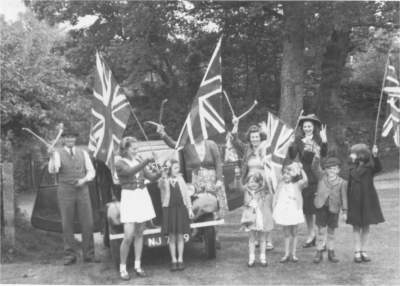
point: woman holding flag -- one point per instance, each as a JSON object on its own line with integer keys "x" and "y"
{"x": 312, "y": 140}
{"x": 252, "y": 163}
{"x": 136, "y": 204}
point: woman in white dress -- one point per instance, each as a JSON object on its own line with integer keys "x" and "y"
{"x": 136, "y": 204}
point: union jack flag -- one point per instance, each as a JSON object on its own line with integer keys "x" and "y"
{"x": 110, "y": 114}
{"x": 392, "y": 88}
{"x": 274, "y": 148}
{"x": 203, "y": 120}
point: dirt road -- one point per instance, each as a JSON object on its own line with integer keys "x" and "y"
{"x": 230, "y": 265}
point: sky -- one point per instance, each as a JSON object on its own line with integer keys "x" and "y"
{"x": 11, "y": 8}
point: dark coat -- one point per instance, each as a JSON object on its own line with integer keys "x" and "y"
{"x": 363, "y": 202}
{"x": 306, "y": 158}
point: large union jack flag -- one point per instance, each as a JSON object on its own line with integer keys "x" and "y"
{"x": 392, "y": 88}
{"x": 274, "y": 148}
{"x": 110, "y": 114}
{"x": 203, "y": 120}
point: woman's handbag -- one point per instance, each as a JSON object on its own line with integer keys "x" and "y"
{"x": 113, "y": 212}
{"x": 248, "y": 216}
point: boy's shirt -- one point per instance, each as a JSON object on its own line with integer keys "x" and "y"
{"x": 333, "y": 194}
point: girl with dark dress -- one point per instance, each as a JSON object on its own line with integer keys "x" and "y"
{"x": 312, "y": 141}
{"x": 177, "y": 211}
{"x": 363, "y": 202}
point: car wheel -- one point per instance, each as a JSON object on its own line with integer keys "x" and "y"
{"x": 209, "y": 242}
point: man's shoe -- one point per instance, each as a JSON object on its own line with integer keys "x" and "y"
{"x": 140, "y": 272}
{"x": 91, "y": 260}
{"x": 332, "y": 257}
{"x": 364, "y": 256}
{"x": 318, "y": 257}
{"x": 69, "y": 260}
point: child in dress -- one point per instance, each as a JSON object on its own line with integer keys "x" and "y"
{"x": 363, "y": 202}
{"x": 288, "y": 206}
{"x": 331, "y": 196}
{"x": 177, "y": 211}
{"x": 258, "y": 205}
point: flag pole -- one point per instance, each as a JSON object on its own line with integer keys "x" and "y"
{"x": 140, "y": 125}
{"x": 229, "y": 103}
{"x": 381, "y": 97}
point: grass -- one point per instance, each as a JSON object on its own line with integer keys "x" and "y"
{"x": 31, "y": 244}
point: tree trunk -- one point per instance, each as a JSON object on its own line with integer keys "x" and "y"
{"x": 332, "y": 67}
{"x": 329, "y": 107}
{"x": 292, "y": 70}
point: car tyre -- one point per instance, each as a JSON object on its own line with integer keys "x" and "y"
{"x": 209, "y": 242}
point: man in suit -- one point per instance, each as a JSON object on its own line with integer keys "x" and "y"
{"x": 75, "y": 170}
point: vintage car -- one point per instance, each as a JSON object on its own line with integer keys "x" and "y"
{"x": 46, "y": 215}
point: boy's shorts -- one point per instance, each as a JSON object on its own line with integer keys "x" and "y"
{"x": 325, "y": 218}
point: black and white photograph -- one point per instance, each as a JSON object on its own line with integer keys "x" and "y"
{"x": 200, "y": 142}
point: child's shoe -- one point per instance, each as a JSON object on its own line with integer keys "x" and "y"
{"x": 252, "y": 261}
{"x": 263, "y": 261}
{"x": 364, "y": 256}
{"x": 294, "y": 258}
{"x": 174, "y": 266}
{"x": 318, "y": 256}
{"x": 180, "y": 266}
{"x": 285, "y": 259}
{"x": 270, "y": 246}
{"x": 331, "y": 256}
{"x": 124, "y": 275}
{"x": 357, "y": 257}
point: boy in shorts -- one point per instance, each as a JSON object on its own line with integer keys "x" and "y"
{"x": 331, "y": 196}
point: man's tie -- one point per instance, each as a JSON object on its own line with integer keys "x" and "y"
{"x": 71, "y": 152}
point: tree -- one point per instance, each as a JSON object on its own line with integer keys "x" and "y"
{"x": 36, "y": 90}
{"x": 292, "y": 70}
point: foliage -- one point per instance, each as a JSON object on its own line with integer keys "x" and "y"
{"x": 159, "y": 50}
{"x": 36, "y": 90}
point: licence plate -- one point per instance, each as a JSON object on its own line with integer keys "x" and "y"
{"x": 158, "y": 240}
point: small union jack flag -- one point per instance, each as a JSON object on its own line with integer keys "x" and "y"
{"x": 203, "y": 120}
{"x": 392, "y": 88}
{"x": 274, "y": 148}
{"x": 110, "y": 114}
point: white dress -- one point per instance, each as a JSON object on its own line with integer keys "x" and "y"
{"x": 289, "y": 205}
{"x": 136, "y": 205}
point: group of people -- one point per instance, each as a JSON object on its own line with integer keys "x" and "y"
{"x": 309, "y": 190}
